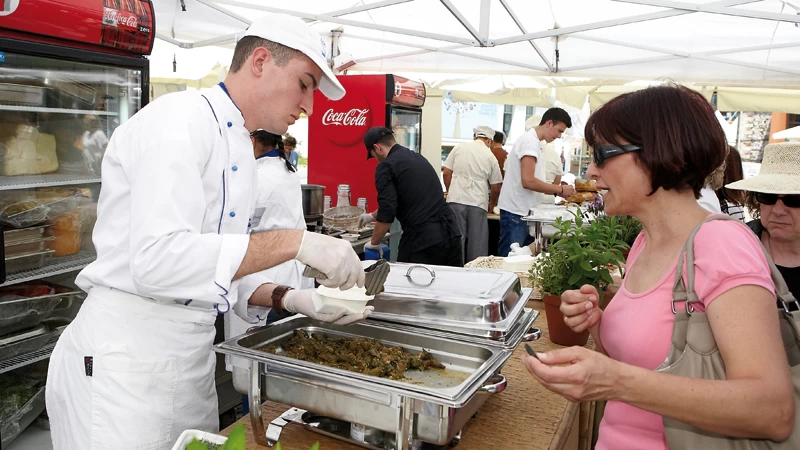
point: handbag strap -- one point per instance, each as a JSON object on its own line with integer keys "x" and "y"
{"x": 685, "y": 291}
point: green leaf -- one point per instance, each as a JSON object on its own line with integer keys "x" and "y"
{"x": 314, "y": 447}
{"x": 196, "y": 445}
{"x": 574, "y": 278}
{"x": 236, "y": 439}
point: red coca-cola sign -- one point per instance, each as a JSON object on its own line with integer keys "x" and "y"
{"x": 347, "y": 119}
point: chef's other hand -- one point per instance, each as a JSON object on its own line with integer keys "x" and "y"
{"x": 302, "y": 301}
{"x": 333, "y": 257}
{"x": 581, "y": 308}
{"x": 377, "y": 247}
{"x": 365, "y": 219}
{"x": 568, "y": 190}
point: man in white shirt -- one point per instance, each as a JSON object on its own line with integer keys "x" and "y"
{"x": 136, "y": 367}
{"x": 470, "y": 173}
{"x": 524, "y": 181}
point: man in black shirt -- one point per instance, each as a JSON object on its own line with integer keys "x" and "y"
{"x": 409, "y": 189}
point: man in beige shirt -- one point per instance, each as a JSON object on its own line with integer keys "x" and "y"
{"x": 473, "y": 179}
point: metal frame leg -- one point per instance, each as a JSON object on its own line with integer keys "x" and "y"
{"x": 404, "y": 436}
{"x": 259, "y": 431}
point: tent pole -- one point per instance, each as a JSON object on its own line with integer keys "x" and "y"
{"x": 612, "y": 23}
{"x": 747, "y": 13}
{"x": 463, "y": 21}
{"x": 354, "y": 23}
{"x": 483, "y": 29}
{"x": 524, "y": 31}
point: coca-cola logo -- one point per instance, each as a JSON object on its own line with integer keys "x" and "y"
{"x": 346, "y": 121}
{"x": 8, "y": 6}
{"x": 117, "y": 18}
{"x": 355, "y": 117}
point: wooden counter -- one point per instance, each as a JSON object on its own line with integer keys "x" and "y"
{"x": 524, "y": 416}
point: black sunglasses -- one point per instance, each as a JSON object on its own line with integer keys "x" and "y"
{"x": 600, "y": 153}
{"x": 790, "y": 201}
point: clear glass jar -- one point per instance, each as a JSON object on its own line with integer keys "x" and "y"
{"x": 343, "y": 195}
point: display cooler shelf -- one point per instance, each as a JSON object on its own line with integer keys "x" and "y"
{"x": 29, "y": 358}
{"x": 55, "y": 110}
{"x": 36, "y": 181}
{"x": 54, "y": 266}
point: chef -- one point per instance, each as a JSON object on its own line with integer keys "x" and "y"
{"x": 279, "y": 206}
{"x": 136, "y": 368}
{"x": 409, "y": 189}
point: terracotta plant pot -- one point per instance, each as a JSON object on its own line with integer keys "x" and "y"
{"x": 560, "y": 333}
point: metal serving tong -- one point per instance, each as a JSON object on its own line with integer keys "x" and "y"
{"x": 376, "y": 275}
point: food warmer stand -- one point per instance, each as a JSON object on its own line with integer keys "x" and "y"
{"x": 471, "y": 320}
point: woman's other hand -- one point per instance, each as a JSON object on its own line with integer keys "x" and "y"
{"x": 581, "y": 308}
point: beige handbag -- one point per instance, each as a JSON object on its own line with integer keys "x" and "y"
{"x": 694, "y": 353}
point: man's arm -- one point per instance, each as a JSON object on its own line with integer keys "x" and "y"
{"x": 381, "y": 228}
{"x": 531, "y": 183}
{"x": 557, "y": 180}
{"x": 494, "y": 194}
{"x": 268, "y": 249}
{"x": 447, "y": 175}
{"x": 387, "y": 203}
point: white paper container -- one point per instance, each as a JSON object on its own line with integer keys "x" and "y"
{"x": 354, "y": 300}
{"x": 187, "y": 436}
{"x": 522, "y": 263}
{"x": 351, "y": 237}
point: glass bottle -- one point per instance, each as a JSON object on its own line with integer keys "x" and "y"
{"x": 343, "y": 195}
{"x": 326, "y": 203}
{"x": 362, "y": 203}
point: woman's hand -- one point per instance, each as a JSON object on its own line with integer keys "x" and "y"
{"x": 588, "y": 376}
{"x": 581, "y": 308}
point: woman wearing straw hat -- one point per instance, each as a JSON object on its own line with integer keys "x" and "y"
{"x": 773, "y": 198}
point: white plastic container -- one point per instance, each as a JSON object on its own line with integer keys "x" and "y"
{"x": 354, "y": 300}
{"x": 186, "y": 437}
{"x": 351, "y": 237}
{"x": 520, "y": 263}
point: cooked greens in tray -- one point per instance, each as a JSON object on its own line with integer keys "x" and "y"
{"x": 363, "y": 355}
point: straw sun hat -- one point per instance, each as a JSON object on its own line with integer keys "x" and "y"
{"x": 779, "y": 174}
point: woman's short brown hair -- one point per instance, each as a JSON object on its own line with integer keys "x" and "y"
{"x": 680, "y": 138}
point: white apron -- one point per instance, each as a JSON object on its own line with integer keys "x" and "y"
{"x": 278, "y": 207}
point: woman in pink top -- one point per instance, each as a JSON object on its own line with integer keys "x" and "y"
{"x": 652, "y": 151}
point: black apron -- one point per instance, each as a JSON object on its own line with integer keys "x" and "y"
{"x": 442, "y": 229}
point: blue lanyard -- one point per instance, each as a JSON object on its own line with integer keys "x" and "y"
{"x": 225, "y": 89}
{"x": 272, "y": 153}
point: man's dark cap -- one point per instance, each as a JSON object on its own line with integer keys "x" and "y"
{"x": 374, "y": 135}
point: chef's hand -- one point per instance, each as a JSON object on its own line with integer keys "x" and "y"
{"x": 581, "y": 308}
{"x": 302, "y": 301}
{"x": 365, "y": 219}
{"x": 377, "y": 247}
{"x": 568, "y": 190}
{"x": 587, "y": 375}
{"x": 333, "y": 257}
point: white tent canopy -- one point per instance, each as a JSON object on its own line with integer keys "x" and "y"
{"x": 526, "y": 52}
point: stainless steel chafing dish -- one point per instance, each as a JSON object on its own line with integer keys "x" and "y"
{"x": 470, "y": 320}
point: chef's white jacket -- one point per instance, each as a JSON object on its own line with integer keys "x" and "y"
{"x": 179, "y": 186}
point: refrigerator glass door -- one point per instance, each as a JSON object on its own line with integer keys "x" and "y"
{"x": 407, "y": 126}
{"x": 56, "y": 119}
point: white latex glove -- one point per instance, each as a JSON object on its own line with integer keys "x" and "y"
{"x": 333, "y": 257}
{"x": 376, "y": 247}
{"x": 302, "y": 301}
{"x": 365, "y": 219}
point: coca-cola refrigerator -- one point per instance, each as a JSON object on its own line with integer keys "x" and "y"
{"x": 71, "y": 71}
{"x": 336, "y": 152}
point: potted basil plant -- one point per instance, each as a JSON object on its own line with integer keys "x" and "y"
{"x": 582, "y": 254}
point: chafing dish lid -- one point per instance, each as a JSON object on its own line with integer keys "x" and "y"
{"x": 450, "y": 297}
